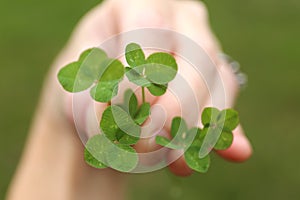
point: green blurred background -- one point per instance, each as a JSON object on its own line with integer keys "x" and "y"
{"x": 263, "y": 35}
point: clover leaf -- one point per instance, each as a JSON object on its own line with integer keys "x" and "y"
{"x": 157, "y": 90}
{"x": 124, "y": 121}
{"x": 182, "y": 137}
{"x": 134, "y": 55}
{"x": 138, "y": 114}
{"x": 121, "y": 123}
{"x": 224, "y": 141}
{"x": 161, "y": 68}
{"x": 229, "y": 119}
{"x": 122, "y": 158}
{"x": 105, "y": 91}
{"x": 130, "y": 102}
{"x": 111, "y": 74}
{"x": 73, "y": 81}
{"x": 198, "y": 136}
{"x": 209, "y": 115}
{"x": 186, "y": 139}
{"x": 95, "y": 151}
{"x": 142, "y": 114}
{"x": 80, "y": 75}
{"x": 92, "y": 161}
{"x": 178, "y": 126}
{"x": 116, "y": 123}
{"x": 192, "y": 159}
{"x": 154, "y": 73}
{"x": 218, "y": 127}
{"x": 111, "y": 70}
{"x": 225, "y": 119}
{"x": 135, "y": 75}
{"x": 117, "y": 156}
{"x": 163, "y": 141}
{"x": 219, "y": 139}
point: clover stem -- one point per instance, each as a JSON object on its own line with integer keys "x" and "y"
{"x": 143, "y": 94}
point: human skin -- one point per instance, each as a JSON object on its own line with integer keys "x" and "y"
{"x": 52, "y": 165}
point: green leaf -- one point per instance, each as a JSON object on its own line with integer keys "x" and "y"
{"x": 209, "y": 137}
{"x": 92, "y": 56}
{"x": 118, "y": 125}
{"x": 91, "y": 62}
{"x": 92, "y": 161}
{"x": 194, "y": 162}
{"x": 104, "y": 91}
{"x": 72, "y": 79}
{"x": 122, "y": 158}
{"x": 111, "y": 69}
{"x": 178, "y": 126}
{"x": 161, "y": 68}
{"x": 119, "y": 134}
{"x": 163, "y": 141}
{"x": 157, "y": 90}
{"x": 128, "y": 139}
{"x": 136, "y": 77}
{"x": 134, "y": 55}
{"x": 125, "y": 122}
{"x": 130, "y": 102}
{"x": 133, "y": 105}
{"x": 224, "y": 141}
{"x": 142, "y": 114}
{"x": 166, "y": 142}
{"x": 84, "y": 55}
{"x": 196, "y": 135}
{"x": 228, "y": 118}
{"x": 124, "y": 138}
{"x": 108, "y": 124}
{"x": 209, "y": 115}
{"x": 189, "y": 138}
{"x": 96, "y": 150}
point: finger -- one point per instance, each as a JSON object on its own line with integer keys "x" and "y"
{"x": 144, "y": 14}
{"x": 192, "y": 22}
{"x": 241, "y": 148}
{"x": 179, "y": 100}
{"x": 93, "y": 29}
{"x": 201, "y": 34}
{"x": 179, "y": 166}
{"x": 182, "y": 99}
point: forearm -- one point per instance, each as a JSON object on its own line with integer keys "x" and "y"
{"x": 52, "y": 166}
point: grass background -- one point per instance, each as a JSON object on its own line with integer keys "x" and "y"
{"x": 262, "y": 35}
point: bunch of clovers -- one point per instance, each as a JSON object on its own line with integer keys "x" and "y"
{"x": 120, "y": 125}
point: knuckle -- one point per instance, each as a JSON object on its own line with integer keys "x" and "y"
{"x": 149, "y": 18}
{"x": 198, "y": 8}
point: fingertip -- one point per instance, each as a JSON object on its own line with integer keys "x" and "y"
{"x": 179, "y": 166}
{"x": 144, "y": 15}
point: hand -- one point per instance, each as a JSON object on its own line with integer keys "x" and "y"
{"x": 186, "y": 17}
{"x": 53, "y": 144}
